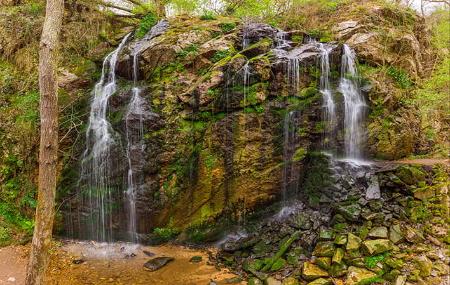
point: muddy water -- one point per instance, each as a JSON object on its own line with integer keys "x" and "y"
{"x": 116, "y": 264}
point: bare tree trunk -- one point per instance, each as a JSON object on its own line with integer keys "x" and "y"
{"x": 48, "y": 149}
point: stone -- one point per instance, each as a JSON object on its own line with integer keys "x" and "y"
{"x": 233, "y": 280}
{"x": 378, "y": 232}
{"x": 401, "y": 280}
{"x": 321, "y": 281}
{"x": 353, "y": 242}
{"x": 196, "y": 259}
{"x": 350, "y": 212}
{"x": 358, "y": 275}
{"x": 425, "y": 265}
{"x": 324, "y": 262}
{"x": 424, "y": 193}
{"x": 272, "y": 281}
{"x": 373, "y": 191}
{"x": 290, "y": 281}
{"x": 254, "y": 281}
{"x": 325, "y": 248}
{"x": 377, "y": 246}
{"x": 311, "y": 271}
{"x": 340, "y": 240}
{"x": 158, "y": 262}
{"x": 338, "y": 255}
{"x": 413, "y": 235}
{"x": 326, "y": 235}
{"x": 395, "y": 234}
{"x": 338, "y": 269}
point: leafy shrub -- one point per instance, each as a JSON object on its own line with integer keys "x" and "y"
{"x": 191, "y": 49}
{"x": 219, "y": 55}
{"x": 165, "y": 234}
{"x": 227, "y": 27}
{"x": 146, "y": 24}
{"x": 208, "y": 16}
{"x": 400, "y": 77}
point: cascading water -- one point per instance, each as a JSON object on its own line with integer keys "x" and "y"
{"x": 327, "y": 93}
{"x": 96, "y": 162}
{"x": 293, "y": 73}
{"x": 289, "y": 144}
{"x": 135, "y": 135}
{"x": 355, "y": 104}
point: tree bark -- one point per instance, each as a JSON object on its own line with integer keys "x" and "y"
{"x": 48, "y": 149}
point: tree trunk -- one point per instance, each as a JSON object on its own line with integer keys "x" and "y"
{"x": 48, "y": 149}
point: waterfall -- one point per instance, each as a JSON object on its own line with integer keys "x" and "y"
{"x": 134, "y": 140}
{"x": 135, "y": 134}
{"x": 327, "y": 93}
{"x": 246, "y": 78}
{"x": 289, "y": 133}
{"x": 293, "y": 73}
{"x": 354, "y": 104}
{"x": 280, "y": 40}
{"x": 96, "y": 161}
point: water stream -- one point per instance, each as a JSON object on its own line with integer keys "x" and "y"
{"x": 354, "y": 105}
{"x": 96, "y": 161}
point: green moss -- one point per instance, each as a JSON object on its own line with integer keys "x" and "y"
{"x": 299, "y": 154}
{"x": 400, "y": 76}
{"x": 227, "y": 27}
{"x": 372, "y": 261}
{"x": 208, "y": 16}
{"x": 147, "y": 22}
{"x": 189, "y": 50}
{"x": 220, "y": 55}
{"x": 308, "y": 92}
{"x": 165, "y": 234}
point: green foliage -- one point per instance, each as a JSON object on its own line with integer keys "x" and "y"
{"x": 227, "y": 27}
{"x": 34, "y": 8}
{"x": 299, "y": 154}
{"x": 220, "y": 54}
{"x": 208, "y": 16}
{"x": 372, "y": 261}
{"x": 191, "y": 49}
{"x": 400, "y": 76}
{"x": 165, "y": 234}
{"x": 147, "y": 22}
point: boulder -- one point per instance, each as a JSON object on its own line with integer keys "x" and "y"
{"x": 325, "y": 249}
{"x": 321, "y": 281}
{"x": 272, "y": 281}
{"x": 425, "y": 265}
{"x": 346, "y": 29}
{"x": 395, "y": 234}
{"x": 377, "y": 246}
{"x": 312, "y": 271}
{"x": 353, "y": 242}
{"x": 373, "y": 191}
{"x": 379, "y": 232}
{"x": 413, "y": 235}
{"x": 350, "y": 212}
{"x": 290, "y": 281}
{"x": 157, "y": 263}
{"x": 338, "y": 255}
{"x": 358, "y": 275}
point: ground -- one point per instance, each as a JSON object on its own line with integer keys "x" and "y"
{"x": 112, "y": 265}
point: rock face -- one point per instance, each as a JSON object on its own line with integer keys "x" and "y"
{"x": 212, "y": 134}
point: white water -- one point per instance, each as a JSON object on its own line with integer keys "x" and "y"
{"x": 325, "y": 88}
{"x": 135, "y": 136}
{"x": 289, "y": 133}
{"x": 293, "y": 74}
{"x": 354, "y": 105}
{"x": 96, "y": 162}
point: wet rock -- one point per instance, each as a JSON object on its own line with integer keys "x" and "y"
{"x": 338, "y": 255}
{"x": 395, "y": 234}
{"x": 413, "y": 235}
{"x": 157, "y": 263}
{"x": 324, "y": 249}
{"x": 378, "y": 232}
{"x": 346, "y": 29}
{"x": 338, "y": 269}
{"x": 323, "y": 262}
{"x": 358, "y": 275}
{"x": 353, "y": 242}
{"x": 377, "y": 246}
{"x": 425, "y": 265}
{"x": 311, "y": 271}
{"x": 290, "y": 281}
{"x": 148, "y": 253}
{"x": 254, "y": 281}
{"x": 254, "y": 32}
{"x": 272, "y": 281}
{"x": 321, "y": 281}
{"x": 350, "y": 212}
{"x": 373, "y": 191}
